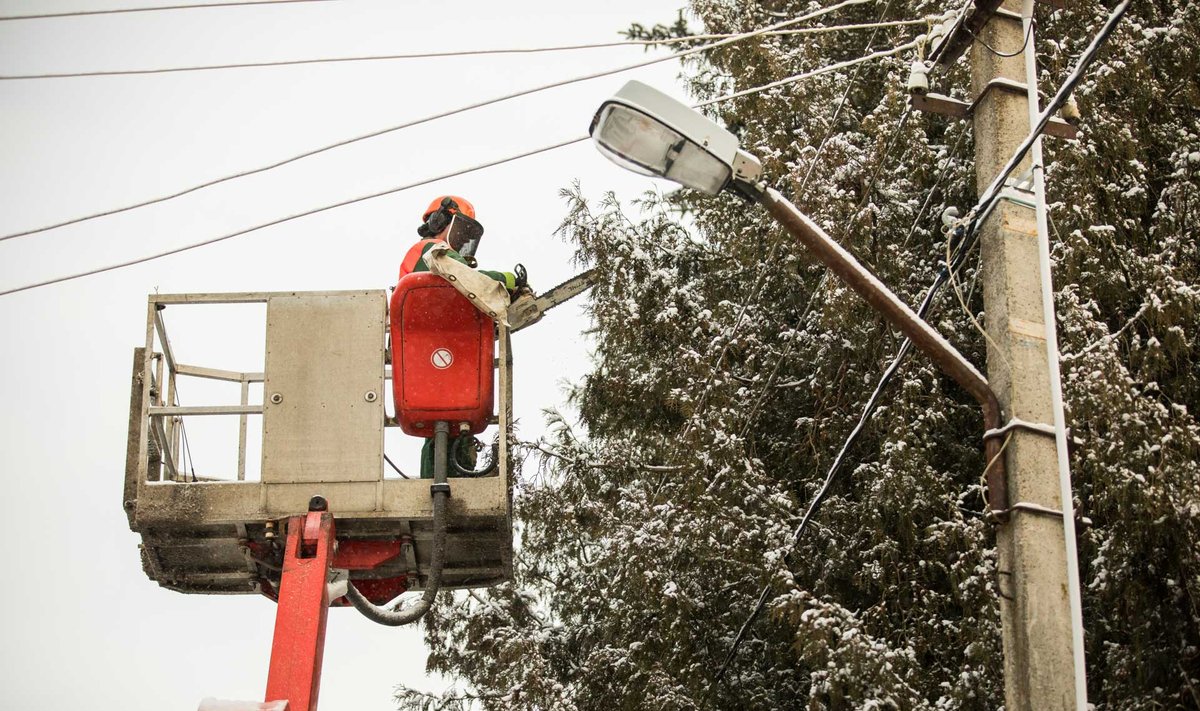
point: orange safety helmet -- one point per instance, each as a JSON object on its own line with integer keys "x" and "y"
{"x": 455, "y": 205}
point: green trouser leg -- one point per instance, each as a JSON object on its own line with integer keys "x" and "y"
{"x": 427, "y": 456}
{"x": 427, "y": 459}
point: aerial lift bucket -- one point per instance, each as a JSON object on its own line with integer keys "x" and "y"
{"x": 323, "y": 418}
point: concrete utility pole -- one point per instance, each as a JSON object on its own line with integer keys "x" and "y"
{"x": 1039, "y": 650}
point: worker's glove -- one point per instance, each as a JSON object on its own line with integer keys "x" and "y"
{"x": 522, "y": 276}
{"x": 521, "y": 291}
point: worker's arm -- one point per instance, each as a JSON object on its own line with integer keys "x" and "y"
{"x": 508, "y": 279}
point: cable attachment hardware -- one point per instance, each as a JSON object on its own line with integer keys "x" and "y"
{"x": 1035, "y": 509}
{"x": 1017, "y": 423}
{"x": 918, "y": 77}
{"x": 950, "y": 220}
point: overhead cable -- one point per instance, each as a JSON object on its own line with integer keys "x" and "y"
{"x": 885, "y": 155}
{"x": 823, "y": 70}
{"x": 741, "y": 635}
{"x": 756, "y": 287}
{"x": 443, "y": 114}
{"x": 119, "y": 11}
{"x": 998, "y": 53}
{"x": 456, "y": 53}
{"x": 868, "y": 411}
{"x": 289, "y": 218}
{"x": 306, "y": 213}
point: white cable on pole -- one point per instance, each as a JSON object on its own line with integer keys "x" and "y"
{"x": 1049, "y": 316}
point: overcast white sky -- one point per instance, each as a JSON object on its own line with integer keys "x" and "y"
{"x": 82, "y": 626}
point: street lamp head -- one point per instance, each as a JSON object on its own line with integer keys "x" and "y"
{"x": 648, "y": 132}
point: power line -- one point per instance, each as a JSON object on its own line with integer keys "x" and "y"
{"x": 426, "y": 119}
{"x": 814, "y": 505}
{"x": 833, "y": 67}
{"x": 289, "y": 218}
{"x": 328, "y": 60}
{"x": 884, "y": 156}
{"x": 998, "y": 53}
{"x": 868, "y": 411}
{"x": 458, "y": 53}
{"x": 756, "y": 287}
{"x": 83, "y": 13}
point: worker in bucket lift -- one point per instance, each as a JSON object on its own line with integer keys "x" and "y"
{"x": 464, "y": 241}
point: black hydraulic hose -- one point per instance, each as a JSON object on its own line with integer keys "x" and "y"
{"x": 441, "y": 492}
{"x": 465, "y": 442}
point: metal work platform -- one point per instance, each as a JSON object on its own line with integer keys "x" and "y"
{"x": 323, "y": 418}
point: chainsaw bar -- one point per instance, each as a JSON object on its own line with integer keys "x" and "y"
{"x": 528, "y": 310}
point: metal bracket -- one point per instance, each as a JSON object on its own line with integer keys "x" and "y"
{"x": 1036, "y": 509}
{"x": 339, "y": 581}
{"x": 1002, "y": 84}
{"x": 946, "y": 106}
{"x": 1007, "y": 14}
{"x": 1000, "y": 574}
{"x": 1017, "y": 195}
{"x": 443, "y": 488}
{"x": 1017, "y": 423}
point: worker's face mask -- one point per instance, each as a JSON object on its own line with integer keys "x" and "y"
{"x": 464, "y": 235}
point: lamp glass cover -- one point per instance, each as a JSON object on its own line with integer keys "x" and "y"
{"x": 635, "y": 141}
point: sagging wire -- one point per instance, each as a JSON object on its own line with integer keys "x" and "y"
{"x": 288, "y": 218}
{"x": 456, "y": 53}
{"x": 885, "y": 155}
{"x": 868, "y": 411}
{"x": 433, "y": 117}
{"x": 998, "y": 53}
{"x": 756, "y": 287}
{"x": 815, "y": 504}
{"x": 816, "y": 72}
{"x": 950, "y": 231}
{"x": 983, "y": 477}
{"x": 306, "y": 213}
{"x": 121, "y": 11}
{"x": 929, "y": 196}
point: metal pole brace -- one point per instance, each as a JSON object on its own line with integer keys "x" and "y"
{"x": 443, "y": 488}
{"x": 1017, "y": 423}
{"x": 946, "y": 106}
{"x": 1002, "y": 84}
{"x": 1045, "y": 430}
{"x": 1035, "y": 509}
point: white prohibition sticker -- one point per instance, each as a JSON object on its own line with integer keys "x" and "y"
{"x": 442, "y": 358}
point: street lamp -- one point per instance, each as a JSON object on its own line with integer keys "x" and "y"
{"x": 650, "y": 133}
{"x": 646, "y": 131}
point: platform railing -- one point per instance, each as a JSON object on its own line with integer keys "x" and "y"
{"x": 195, "y": 529}
{"x": 164, "y": 369}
